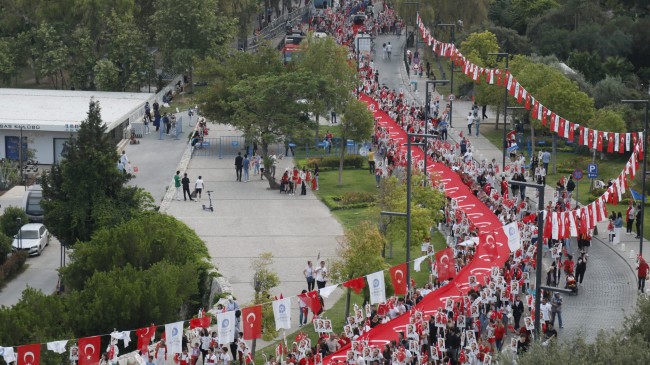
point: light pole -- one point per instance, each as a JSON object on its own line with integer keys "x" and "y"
{"x": 427, "y": 107}
{"x": 505, "y": 105}
{"x": 451, "y": 86}
{"x": 20, "y": 236}
{"x": 415, "y": 33}
{"x": 645, "y": 164}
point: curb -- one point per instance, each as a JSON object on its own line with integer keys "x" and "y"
{"x": 617, "y": 252}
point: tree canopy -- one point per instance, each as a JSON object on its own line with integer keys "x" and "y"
{"x": 357, "y": 124}
{"x": 85, "y": 191}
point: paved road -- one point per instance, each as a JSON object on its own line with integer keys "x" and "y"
{"x": 609, "y": 290}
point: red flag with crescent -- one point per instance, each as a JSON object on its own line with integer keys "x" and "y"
{"x": 356, "y": 284}
{"x": 445, "y": 264}
{"x": 398, "y": 276}
{"x": 252, "y": 317}
{"x": 203, "y": 322}
{"x": 312, "y": 300}
{"x": 489, "y": 242}
{"x": 144, "y": 338}
{"x": 30, "y": 354}
{"x": 90, "y": 349}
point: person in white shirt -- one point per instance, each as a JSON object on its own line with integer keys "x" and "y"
{"x": 198, "y": 185}
{"x": 321, "y": 275}
{"x": 224, "y": 358}
{"x": 545, "y": 310}
{"x": 309, "y": 275}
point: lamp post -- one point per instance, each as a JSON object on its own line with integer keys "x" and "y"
{"x": 415, "y": 33}
{"x": 645, "y": 166}
{"x": 451, "y": 89}
{"x": 505, "y": 106}
{"x": 427, "y": 108}
{"x": 20, "y": 236}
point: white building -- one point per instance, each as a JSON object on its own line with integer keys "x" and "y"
{"x": 48, "y": 118}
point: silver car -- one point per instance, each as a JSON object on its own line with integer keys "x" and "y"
{"x": 32, "y": 237}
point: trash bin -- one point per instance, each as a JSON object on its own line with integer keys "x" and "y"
{"x": 414, "y": 85}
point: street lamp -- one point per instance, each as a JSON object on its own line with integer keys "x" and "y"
{"x": 20, "y": 236}
{"x": 645, "y": 166}
{"x": 505, "y": 104}
{"x": 451, "y": 89}
{"x": 415, "y": 33}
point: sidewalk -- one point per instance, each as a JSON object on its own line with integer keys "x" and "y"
{"x": 609, "y": 290}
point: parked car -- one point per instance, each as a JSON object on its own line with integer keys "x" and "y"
{"x": 32, "y": 237}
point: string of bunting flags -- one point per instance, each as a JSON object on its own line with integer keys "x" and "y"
{"x": 600, "y": 140}
{"x": 87, "y": 350}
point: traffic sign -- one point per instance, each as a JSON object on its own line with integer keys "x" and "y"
{"x": 452, "y": 97}
{"x": 592, "y": 170}
{"x": 577, "y": 174}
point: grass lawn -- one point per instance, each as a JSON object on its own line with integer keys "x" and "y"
{"x": 356, "y": 181}
{"x": 568, "y": 161}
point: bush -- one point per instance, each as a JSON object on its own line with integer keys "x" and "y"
{"x": 14, "y": 264}
{"x": 8, "y": 223}
{"x": 337, "y": 202}
{"x": 355, "y": 197}
{"x": 351, "y": 161}
{"x": 5, "y": 248}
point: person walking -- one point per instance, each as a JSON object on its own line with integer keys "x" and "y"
{"x": 185, "y": 181}
{"x": 389, "y": 50}
{"x": 517, "y": 310}
{"x": 309, "y": 276}
{"x": 546, "y": 159}
{"x": 177, "y": 185}
{"x": 642, "y": 271}
{"x": 304, "y": 311}
{"x": 629, "y": 217}
{"x": 239, "y": 164}
{"x": 470, "y": 121}
{"x": 371, "y": 161}
{"x": 581, "y": 267}
{"x": 556, "y": 309}
{"x": 198, "y": 186}
{"x": 321, "y": 275}
{"x": 246, "y": 163}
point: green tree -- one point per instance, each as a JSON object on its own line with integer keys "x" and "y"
{"x": 588, "y": 63}
{"x": 85, "y": 191}
{"x": 127, "y": 52}
{"x": 8, "y": 67}
{"x": 477, "y": 46}
{"x": 9, "y": 220}
{"x": 107, "y": 75}
{"x": 265, "y": 279}
{"x": 194, "y": 27}
{"x": 140, "y": 242}
{"x": 82, "y": 59}
{"x": 5, "y": 247}
{"x": 608, "y": 91}
{"x": 357, "y": 124}
{"x": 333, "y": 76}
{"x": 47, "y": 53}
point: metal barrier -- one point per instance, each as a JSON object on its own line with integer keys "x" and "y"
{"x": 277, "y": 27}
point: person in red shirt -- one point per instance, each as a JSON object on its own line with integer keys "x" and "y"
{"x": 642, "y": 273}
{"x": 568, "y": 265}
{"x": 504, "y": 188}
{"x": 499, "y": 334}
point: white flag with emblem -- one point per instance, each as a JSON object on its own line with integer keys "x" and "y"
{"x": 226, "y": 324}
{"x": 282, "y": 313}
{"x": 174, "y": 337}
{"x": 377, "y": 287}
{"x": 512, "y": 232}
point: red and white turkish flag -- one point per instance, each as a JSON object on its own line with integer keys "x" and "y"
{"x": 566, "y": 226}
{"x": 527, "y": 98}
{"x": 535, "y": 109}
{"x": 610, "y": 142}
{"x": 89, "y": 350}
{"x": 252, "y": 322}
{"x": 554, "y": 125}
{"x": 581, "y": 135}
{"x": 572, "y": 221}
{"x": 544, "y": 115}
{"x": 203, "y": 322}
{"x": 591, "y": 139}
{"x": 311, "y": 300}
{"x": 621, "y": 142}
{"x": 356, "y": 284}
{"x": 599, "y": 143}
{"x": 29, "y": 354}
{"x": 489, "y": 242}
{"x": 398, "y": 277}
{"x": 561, "y": 130}
{"x": 144, "y": 338}
{"x": 445, "y": 265}
{"x": 572, "y": 127}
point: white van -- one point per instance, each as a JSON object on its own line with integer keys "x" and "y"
{"x": 32, "y": 203}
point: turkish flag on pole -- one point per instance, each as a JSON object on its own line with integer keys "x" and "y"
{"x": 29, "y": 354}
{"x": 252, "y": 318}
{"x": 312, "y": 300}
{"x": 445, "y": 264}
{"x": 356, "y": 284}
{"x": 144, "y": 338}
{"x": 398, "y": 276}
{"x": 89, "y": 350}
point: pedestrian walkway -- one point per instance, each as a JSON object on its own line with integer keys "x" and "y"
{"x": 609, "y": 291}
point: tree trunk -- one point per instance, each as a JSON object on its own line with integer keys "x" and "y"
{"x": 191, "y": 81}
{"x": 273, "y": 184}
{"x": 554, "y": 154}
{"x": 343, "y": 146}
{"x": 532, "y": 140}
{"x": 317, "y": 130}
{"x": 497, "y": 126}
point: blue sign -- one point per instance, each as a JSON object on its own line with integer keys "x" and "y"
{"x": 577, "y": 174}
{"x": 592, "y": 170}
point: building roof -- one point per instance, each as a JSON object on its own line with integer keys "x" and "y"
{"x": 64, "y": 110}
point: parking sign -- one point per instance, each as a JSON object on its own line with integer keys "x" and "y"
{"x": 592, "y": 171}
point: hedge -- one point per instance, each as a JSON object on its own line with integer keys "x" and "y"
{"x": 12, "y": 266}
{"x": 351, "y": 161}
{"x": 350, "y": 200}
